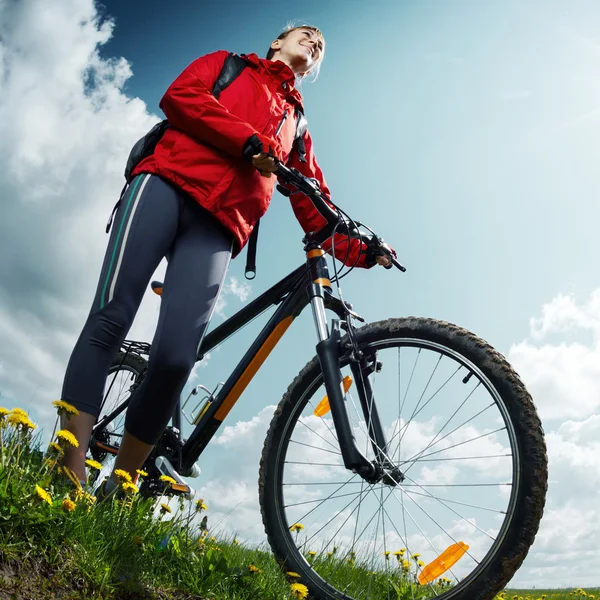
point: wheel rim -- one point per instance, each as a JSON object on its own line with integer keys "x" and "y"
{"x": 367, "y": 521}
{"x": 117, "y": 390}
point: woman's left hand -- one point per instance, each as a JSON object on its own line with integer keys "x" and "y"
{"x": 384, "y": 261}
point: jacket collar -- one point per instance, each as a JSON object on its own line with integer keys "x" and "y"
{"x": 279, "y": 71}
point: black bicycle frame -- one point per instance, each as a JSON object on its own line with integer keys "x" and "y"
{"x": 308, "y": 284}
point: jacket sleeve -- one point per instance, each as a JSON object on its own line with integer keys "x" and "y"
{"x": 190, "y": 106}
{"x": 311, "y": 219}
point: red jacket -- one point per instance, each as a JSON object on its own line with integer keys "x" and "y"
{"x": 202, "y": 153}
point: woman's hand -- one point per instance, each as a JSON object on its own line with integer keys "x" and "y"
{"x": 264, "y": 163}
{"x": 384, "y": 261}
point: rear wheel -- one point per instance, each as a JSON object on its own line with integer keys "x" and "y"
{"x": 122, "y": 376}
{"x": 463, "y": 432}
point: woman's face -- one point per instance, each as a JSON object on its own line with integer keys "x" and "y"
{"x": 301, "y": 49}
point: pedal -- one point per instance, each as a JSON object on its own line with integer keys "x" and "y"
{"x": 165, "y": 467}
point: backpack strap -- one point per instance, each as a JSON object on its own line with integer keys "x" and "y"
{"x": 301, "y": 128}
{"x": 232, "y": 67}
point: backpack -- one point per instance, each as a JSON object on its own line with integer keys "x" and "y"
{"x": 232, "y": 68}
{"x": 146, "y": 145}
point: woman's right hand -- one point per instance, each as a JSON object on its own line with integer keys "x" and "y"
{"x": 262, "y": 151}
{"x": 265, "y": 164}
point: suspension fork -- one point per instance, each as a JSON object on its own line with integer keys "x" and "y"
{"x": 361, "y": 369}
{"x": 328, "y": 352}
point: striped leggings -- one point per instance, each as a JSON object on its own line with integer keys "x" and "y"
{"x": 154, "y": 220}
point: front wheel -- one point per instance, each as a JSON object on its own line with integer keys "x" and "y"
{"x": 463, "y": 432}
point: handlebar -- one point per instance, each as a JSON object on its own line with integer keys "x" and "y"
{"x": 335, "y": 220}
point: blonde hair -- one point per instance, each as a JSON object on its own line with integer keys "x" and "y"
{"x": 292, "y": 27}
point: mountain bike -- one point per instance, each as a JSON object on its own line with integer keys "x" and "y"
{"x": 406, "y": 459}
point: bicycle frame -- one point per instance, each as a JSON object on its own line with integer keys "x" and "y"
{"x": 308, "y": 284}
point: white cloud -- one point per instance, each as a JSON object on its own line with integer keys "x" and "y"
{"x": 560, "y": 362}
{"x": 66, "y": 128}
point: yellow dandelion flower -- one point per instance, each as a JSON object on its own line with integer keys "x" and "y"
{"x": 235, "y": 542}
{"x": 89, "y": 498}
{"x": 123, "y": 475}
{"x": 67, "y": 437}
{"x": 254, "y": 569}
{"x": 4, "y": 411}
{"x": 68, "y": 505}
{"x": 43, "y": 494}
{"x": 19, "y": 411}
{"x": 297, "y": 527}
{"x": 415, "y": 556}
{"x": 141, "y": 473}
{"x": 94, "y": 464}
{"x": 167, "y": 479}
{"x": 420, "y": 563}
{"x": 130, "y": 488}
{"x": 165, "y": 508}
{"x": 200, "y": 505}
{"x": 50, "y": 463}
{"x": 56, "y": 447}
{"x": 399, "y": 552}
{"x": 299, "y": 590}
{"x": 213, "y": 539}
{"x": 65, "y": 407}
{"x": 17, "y": 419}
{"x": 293, "y": 575}
{"x": 387, "y": 554}
{"x": 312, "y": 553}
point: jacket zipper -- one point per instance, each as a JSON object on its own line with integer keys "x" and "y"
{"x": 285, "y": 114}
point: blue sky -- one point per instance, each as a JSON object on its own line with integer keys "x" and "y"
{"x": 465, "y": 133}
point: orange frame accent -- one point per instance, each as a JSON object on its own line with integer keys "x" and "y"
{"x": 107, "y": 448}
{"x": 314, "y": 253}
{"x": 252, "y": 368}
{"x": 323, "y": 281}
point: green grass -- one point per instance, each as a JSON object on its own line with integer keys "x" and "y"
{"x": 56, "y": 542}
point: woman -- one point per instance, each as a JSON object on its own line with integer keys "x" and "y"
{"x": 195, "y": 201}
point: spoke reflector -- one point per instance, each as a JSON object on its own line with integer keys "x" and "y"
{"x": 442, "y": 563}
{"x": 323, "y": 407}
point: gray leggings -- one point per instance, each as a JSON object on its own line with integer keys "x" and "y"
{"x": 154, "y": 220}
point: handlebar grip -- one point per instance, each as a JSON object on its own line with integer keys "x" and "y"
{"x": 397, "y": 264}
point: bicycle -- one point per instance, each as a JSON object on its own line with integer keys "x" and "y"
{"x": 352, "y": 489}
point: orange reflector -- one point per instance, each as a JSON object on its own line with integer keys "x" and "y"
{"x": 179, "y": 487}
{"x": 442, "y": 563}
{"x": 323, "y": 407}
{"x": 157, "y": 291}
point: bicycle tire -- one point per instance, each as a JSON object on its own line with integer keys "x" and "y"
{"x": 529, "y": 502}
{"x": 123, "y": 362}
